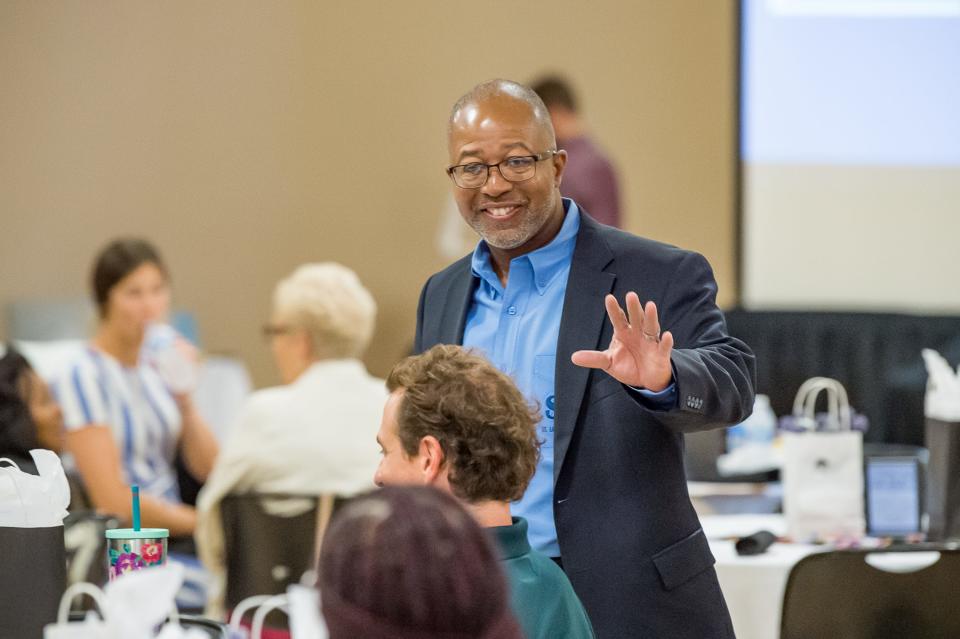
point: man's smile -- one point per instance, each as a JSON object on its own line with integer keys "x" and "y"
{"x": 501, "y": 211}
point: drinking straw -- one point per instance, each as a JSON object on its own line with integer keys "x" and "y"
{"x": 136, "y": 507}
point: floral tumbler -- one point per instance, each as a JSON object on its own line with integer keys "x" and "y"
{"x": 129, "y": 549}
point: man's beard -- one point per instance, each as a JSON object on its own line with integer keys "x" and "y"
{"x": 530, "y": 222}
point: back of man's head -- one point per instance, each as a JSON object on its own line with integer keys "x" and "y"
{"x": 555, "y": 92}
{"x": 483, "y": 423}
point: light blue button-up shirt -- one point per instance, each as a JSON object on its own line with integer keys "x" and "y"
{"x": 516, "y": 327}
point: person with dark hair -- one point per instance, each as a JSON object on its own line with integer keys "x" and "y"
{"x": 410, "y": 563}
{"x": 540, "y": 296}
{"x": 455, "y": 422}
{"x": 125, "y": 424}
{"x": 589, "y": 178}
{"x": 29, "y": 416}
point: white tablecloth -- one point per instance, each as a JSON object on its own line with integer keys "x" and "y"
{"x": 753, "y": 586}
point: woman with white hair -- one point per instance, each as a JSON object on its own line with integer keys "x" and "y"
{"x": 315, "y": 434}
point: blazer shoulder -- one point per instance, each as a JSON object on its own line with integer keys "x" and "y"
{"x": 627, "y": 246}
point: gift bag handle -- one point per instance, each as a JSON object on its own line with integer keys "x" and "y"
{"x": 838, "y": 404}
{"x": 98, "y": 596}
{"x": 236, "y": 617}
{"x": 80, "y": 588}
{"x": 804, "y": 404}
{"x": 833, "y": 403}
{"x": 259, "y": 618}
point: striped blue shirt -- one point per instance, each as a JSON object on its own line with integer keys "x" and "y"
{"x": 137, "y": 407}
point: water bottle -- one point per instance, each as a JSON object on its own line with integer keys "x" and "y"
{"x": 759, "y": 428}
{"x": 172, "y": 356}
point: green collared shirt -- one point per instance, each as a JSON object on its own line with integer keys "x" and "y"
{"x": 540, "y": 593}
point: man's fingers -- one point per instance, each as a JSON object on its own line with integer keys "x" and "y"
{"x": 617, "y": 318}
{"x": 666, "y": 343}
{"x": 651, "y": 323}
{"x": 591, "y": 359}
{"x": 637, "y": 318}
{"x": 634, "y": 310}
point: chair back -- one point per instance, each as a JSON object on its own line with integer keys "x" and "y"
{"x": 86, "y": 545}
{"x": 859, "y": 594}
{"x": 270, "y": 541}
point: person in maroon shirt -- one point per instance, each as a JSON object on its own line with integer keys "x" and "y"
{"x": 589, "y": 178}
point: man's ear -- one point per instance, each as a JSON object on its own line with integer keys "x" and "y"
{"x": 559, "y": 165}
{"x": 432, "y": 460}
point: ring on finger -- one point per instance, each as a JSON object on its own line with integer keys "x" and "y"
{"x": 650, "y": 337}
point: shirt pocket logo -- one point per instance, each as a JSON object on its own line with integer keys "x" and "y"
{"x": 543, "y": 393}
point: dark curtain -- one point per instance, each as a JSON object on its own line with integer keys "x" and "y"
{"x": 876, "y": 356}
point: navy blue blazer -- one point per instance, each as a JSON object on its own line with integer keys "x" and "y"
{"x": 630, "y": 540}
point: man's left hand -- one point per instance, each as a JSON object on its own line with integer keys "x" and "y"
{"x": 638, "y": 355}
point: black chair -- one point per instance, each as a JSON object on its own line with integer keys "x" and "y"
{"x": 840, "y": 594}
{"x": 269, "y": 542}
{"x": 86, "y": 546}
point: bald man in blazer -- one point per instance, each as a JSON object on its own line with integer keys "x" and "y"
{"x": 544, "y": 287}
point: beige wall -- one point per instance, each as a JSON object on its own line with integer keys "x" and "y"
{"x": 245, "y": 137}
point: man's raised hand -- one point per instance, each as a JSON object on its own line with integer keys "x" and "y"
{"x": 638, "y": 355}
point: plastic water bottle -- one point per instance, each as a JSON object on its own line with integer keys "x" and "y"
{"x": 172, "y": 356}
{"x": 759, "y": 428}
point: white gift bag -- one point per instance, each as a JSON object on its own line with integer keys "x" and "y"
{"x": 301, "y": 603}
{"x": 822, "y": 471}
{"x": 131, "y": 607}
{"x": 33, "y": 561}
{"x": 92, "y": 627}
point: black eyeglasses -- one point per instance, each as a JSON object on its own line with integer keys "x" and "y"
{"x": 517, "y": 168}
{"x": 272, "y": 330}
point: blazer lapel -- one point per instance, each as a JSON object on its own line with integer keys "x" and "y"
{"x": 580, "y": 327}
{"x": 456, "y": 304}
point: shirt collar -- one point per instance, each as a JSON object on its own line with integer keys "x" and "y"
{"x": 547, "y": 261}
{"x": 512, "y": 540}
